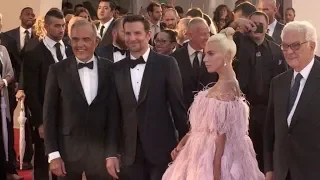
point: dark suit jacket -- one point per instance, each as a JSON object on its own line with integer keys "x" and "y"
{"x": 294, "y": 148}
{"x": 15, "y": 33}
{"x": 12, "y": 49}
{"x": 105, "y": 52}
{"x": 277, "y": 33}
{"x": 107, "y": 38}
{"x": 154, "y": 117}
{"x": 35, "y": 69}
{"x": 73, "y": 127}
{"x": 191, "y": 84}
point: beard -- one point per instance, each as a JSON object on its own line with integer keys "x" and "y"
{"x": 120, "y": 42}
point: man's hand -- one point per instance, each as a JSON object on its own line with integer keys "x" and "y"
{"x": 57, "y": 167}
{"x": 20, "y": 95}
{"x": 113, "y": 167}
{"x": 41, "y": 131}
{"x": 269, "y": 175}
{"x": 246, "y": 25}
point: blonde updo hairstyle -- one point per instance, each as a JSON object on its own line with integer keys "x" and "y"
{"x": 224, "y": 39}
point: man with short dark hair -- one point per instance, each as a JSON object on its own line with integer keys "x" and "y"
{"x": 155, "y": 14}
{"x": 36, "y": 65}
{"x": 290, "y": 15}
{"x": 194, "y": 12}
{"x": 118, "y": 49}
{"x": 147, "y": 108}
{"x": 243, "y": 10}
{"x": 77, "y": 7}
{"x": 105, "y": 13}
{"x": 76, "y": 109}
{"x": 180, "y": 11}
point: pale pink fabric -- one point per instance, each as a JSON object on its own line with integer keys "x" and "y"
{"x": 208, "y": 117}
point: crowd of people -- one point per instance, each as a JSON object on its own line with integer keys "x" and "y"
{"x": 163, "y": 94}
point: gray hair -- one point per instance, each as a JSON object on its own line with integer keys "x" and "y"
{"x": 195, "y": 21}
{"x": 174, "y": 12}
{"x": 303, "y": 27}
{"x": 84, "y": 22}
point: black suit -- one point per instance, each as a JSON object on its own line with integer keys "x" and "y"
{"x": 293, "y": 148}
{"x": 277, "y": 33}
{"x": 73, "y": 127}
{"x": 105, "y": 52}
{"x": 15, "y": 33}
{"x": 107, "y": 38}
{"x": 35, "y": 69}
{"x": 147, "y": 125}
{"x": 192, "y": 84}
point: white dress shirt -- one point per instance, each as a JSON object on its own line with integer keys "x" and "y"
{"x": 305, "y": 73}
{"x": 137, "y": 74}
{"x": 271, "y": 27}
{"x": 23, "y": 35}
{"x": 50, "y": 44}
{"x": 106, "y": 26}
{"x": 117, "y": 56}
{"x": 89, "y": 82}
{"x": 155, "y": 28}
{"x": 192, "y": 54}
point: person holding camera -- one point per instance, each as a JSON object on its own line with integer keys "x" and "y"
{"x": 258, "y": 60}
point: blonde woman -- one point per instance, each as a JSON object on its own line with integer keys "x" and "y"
{"x": 218, "y": 146}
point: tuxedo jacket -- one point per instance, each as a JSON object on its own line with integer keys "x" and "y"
{"x": 107, "y": 38}
{"x": 154, "y": 117}
{"x": 72, "y": 126}
{"x": 105, "y": 52}
{"x": 35, "y": 69}
{"x": 192, "y": 84}
{"x": 294, "y": 148}
{"x": 277, "y": 33}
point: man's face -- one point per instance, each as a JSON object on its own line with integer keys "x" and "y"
{"x": 199, "y": 35}
{"x": 120, "y": 38}
{"x": 56, "y": 28}
{"x": 237, "y": 15}
{"x": 170, "y": 19}
{"x": 259, "y": 19}
{"x": 27, "y": 18}
{"x": 156, "y": 14}
{"x": 289, "y": 17}
{"x": 269, "y": 8}
{"x": 136, "y": 38}
{"x": 104, "y": 11}
{"x": 83, "y": 42}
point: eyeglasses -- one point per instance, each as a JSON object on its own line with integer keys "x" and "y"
{"x": 294, "y": 46}
{"x": 160, "y": 41}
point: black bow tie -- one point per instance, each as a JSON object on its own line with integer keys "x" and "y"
{"x": 88, "y": 65}
{"x": 134, "y": 62}
{"x": 122, "y": 51}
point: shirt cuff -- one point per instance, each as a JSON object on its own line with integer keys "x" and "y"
{"x": 5, "y": 82}
{"x": 53, "y": 155}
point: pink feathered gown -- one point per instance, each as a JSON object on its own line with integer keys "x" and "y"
{"x": 208, "y": 117}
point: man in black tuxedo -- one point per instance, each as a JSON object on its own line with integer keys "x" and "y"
{"x": 149, "y": 93}
{"x": 35, "y": 68}
{"x": 24, "y": 32}
{"x": 275, "y": 27}
{"x": 291, "y": 147}
{"x": 105, "y": 13}
{"x": 194, "y": 74}
{"x": 118, "y": 49}
{"x": 75, "y": 111}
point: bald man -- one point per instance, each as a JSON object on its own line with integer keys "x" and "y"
{"x": 190, "y": 60}
{"x": 171, "y": 18}
{"x": 275, "y": 27}
{"x": 182, "y": 27}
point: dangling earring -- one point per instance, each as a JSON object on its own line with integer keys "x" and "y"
{"x": 225, "y": 64}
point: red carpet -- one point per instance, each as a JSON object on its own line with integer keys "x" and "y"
{"x": 28, "y": 173}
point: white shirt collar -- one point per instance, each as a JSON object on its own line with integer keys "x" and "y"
{"x": 306, "y": 70}
{"x": 92, "y": 59}
{"x": 191, "y": 51}
{"x": 272, "y": 25}
{"x": 158, "y": 24}
{"x": 51, "y": 43}
{"x": 106, "y": 25}
{"x": 22, "y": 30}
{"x": 145, "y": 55}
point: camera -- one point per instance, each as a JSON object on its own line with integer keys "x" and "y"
{"x": 259, "y": 28}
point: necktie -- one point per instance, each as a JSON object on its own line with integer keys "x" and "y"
{"x": 58, "y": 51}
{"x": 27, "y": 37}
{"x": 122, "y": 51}
{"x": 101, "y": 31}
{"x": 196, "y": 64}
{"x": 134, "y": 62}
{"x": 294, "y": 91}
{"x": 87, "y": 65}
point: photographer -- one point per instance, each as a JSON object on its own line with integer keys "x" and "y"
{"x": 258, "y": 60}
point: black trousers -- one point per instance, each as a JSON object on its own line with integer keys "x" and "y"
{"x": 256, "y": 128}
{"x": 142, "y": 169}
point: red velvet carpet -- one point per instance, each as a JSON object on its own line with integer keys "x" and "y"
{"x": 28, "y": 173}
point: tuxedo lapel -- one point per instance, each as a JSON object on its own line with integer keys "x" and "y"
{"x": 101, "y": 78}
{"x": 311, "y": 87}
{"x": 283, "y": 96}
{"x": 125, "y": 84}
{"x": 76, "y": 78}
{"x": 146, "y": 79}
{"x": 47, "y": 53}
